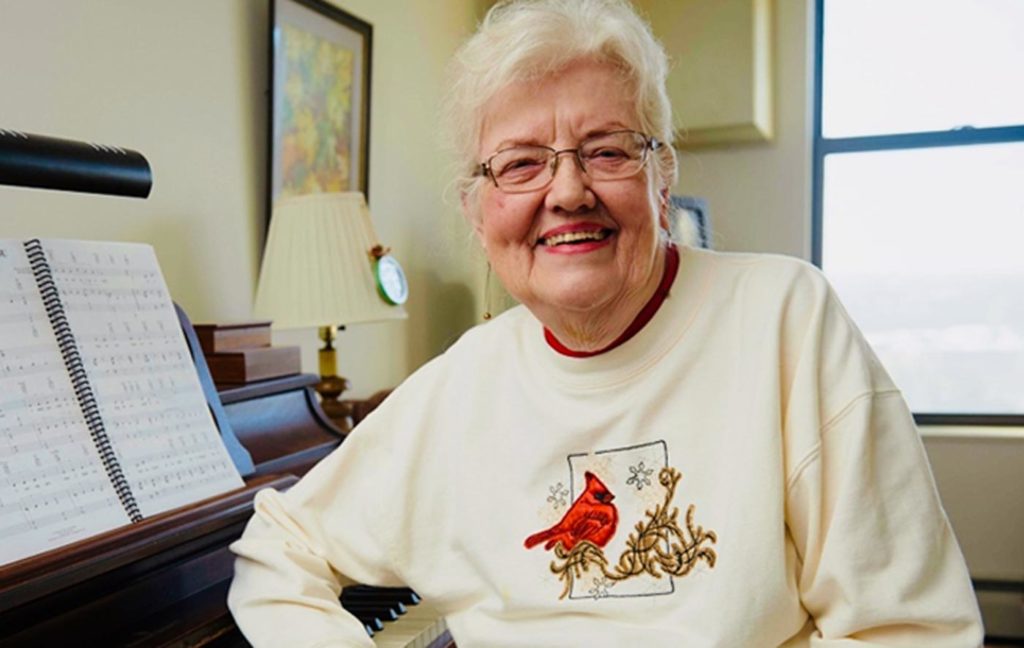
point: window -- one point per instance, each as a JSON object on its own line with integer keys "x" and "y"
{"x": 919, "y": 194}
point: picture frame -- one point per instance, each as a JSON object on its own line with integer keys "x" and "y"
{"x": 319, "y": 100}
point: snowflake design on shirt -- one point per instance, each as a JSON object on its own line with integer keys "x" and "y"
{"x": 558, "y": 495}
{"x": 641, "y": 476}
{"x": 601, "y": 587}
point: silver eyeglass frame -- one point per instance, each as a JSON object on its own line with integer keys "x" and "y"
{"x": 485, "y": 169}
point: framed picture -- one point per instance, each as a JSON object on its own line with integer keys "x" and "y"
{"x": 319, "y": 100}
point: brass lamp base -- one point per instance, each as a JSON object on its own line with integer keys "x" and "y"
{"x": 331, "y": 385}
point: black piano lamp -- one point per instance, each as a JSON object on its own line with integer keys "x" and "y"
{"x": 50, "y": 163}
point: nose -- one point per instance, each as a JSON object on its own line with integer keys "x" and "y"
{"x": 569, "y": 190}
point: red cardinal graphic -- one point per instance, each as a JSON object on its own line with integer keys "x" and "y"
{"x": 591, "y": 517}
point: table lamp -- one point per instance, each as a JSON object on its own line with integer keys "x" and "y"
{"x": 323, "y": 267}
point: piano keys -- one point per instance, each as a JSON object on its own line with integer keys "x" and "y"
{"x": 421, "y": 627}
{"x": 396, "y": 617}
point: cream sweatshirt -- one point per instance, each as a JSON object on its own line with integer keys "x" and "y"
{"x": 741, "y": 473}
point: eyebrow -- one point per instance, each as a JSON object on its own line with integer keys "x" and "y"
{"x": 608, "y": 127}
{"x": 513, "y": 142}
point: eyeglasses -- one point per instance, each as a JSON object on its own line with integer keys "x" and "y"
{"x": 605, "y": 156}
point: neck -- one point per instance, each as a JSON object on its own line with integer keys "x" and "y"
{"x": 590, "y": 333}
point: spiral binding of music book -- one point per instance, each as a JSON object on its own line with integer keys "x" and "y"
{"x": 79, "y": 380}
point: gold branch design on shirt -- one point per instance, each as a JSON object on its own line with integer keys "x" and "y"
{"x": 646, "y": 548}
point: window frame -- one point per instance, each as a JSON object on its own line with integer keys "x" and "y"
{"x": 822, "y": 146}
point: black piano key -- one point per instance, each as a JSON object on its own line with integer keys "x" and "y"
{"x": 395, "y": 606}
{"x": 384, "y": 596}
{"x": 381, "y": 612}
{"x": 369, "y": 621}
{"x": 375, "y": 606}
{"x": 403, "y": 594}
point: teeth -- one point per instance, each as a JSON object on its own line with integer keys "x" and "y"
{"x": 575, "y": 237}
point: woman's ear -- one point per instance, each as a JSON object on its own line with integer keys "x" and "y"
{"x": 664, "y": 204}
{"x": 471, "y": 212}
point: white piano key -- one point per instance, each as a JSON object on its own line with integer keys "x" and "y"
{"x": 414, "y": 629}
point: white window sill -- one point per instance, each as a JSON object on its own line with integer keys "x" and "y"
{"x": 977, "y": 432}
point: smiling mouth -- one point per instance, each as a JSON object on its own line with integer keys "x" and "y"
{"x": 569, "y": 238}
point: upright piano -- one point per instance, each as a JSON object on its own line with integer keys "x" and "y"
{"x": 164, "y": 581}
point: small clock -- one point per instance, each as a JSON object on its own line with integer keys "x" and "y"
{"x": 391, "y": 282}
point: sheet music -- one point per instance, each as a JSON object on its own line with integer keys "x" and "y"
{"x": 141, "y": 373}
{"x": 53, "y": 488}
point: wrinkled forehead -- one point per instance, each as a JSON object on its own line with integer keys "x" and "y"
{"x": 559, "y": 108}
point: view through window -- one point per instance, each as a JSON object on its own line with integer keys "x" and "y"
{"x": 919, "y": 192}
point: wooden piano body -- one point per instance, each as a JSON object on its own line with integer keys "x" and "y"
{"x": 163, "y": 582}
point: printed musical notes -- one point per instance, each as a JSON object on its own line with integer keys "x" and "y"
{"x": 52, "y": 486}
{"x": 102, "y": 418}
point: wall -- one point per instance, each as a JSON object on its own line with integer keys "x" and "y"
{"x": 184, "y": 83}
{"x": 180, "y": 82}
{"x": 980, "y": 475}
{"x": 759, "y": 193}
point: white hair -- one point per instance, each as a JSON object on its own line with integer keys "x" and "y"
{"x": 526, "y": 39}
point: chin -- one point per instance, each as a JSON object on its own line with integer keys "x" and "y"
{"x": 575, "y": 298}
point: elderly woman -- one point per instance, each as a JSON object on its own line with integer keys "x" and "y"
{"x": 662, "y": 446}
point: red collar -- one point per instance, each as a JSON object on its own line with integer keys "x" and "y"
{"x": 644, "y": 316}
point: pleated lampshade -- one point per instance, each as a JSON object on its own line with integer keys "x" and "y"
{"x": 317, "y": 266}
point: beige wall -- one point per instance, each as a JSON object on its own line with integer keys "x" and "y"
{"x": 183, "y": 82}
{"x": 759, "y": 193}
{"x": 980, "y": 476}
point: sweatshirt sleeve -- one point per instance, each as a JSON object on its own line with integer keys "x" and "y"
{"x": 879, "y": 564}
{"x": 340, "y": 523}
